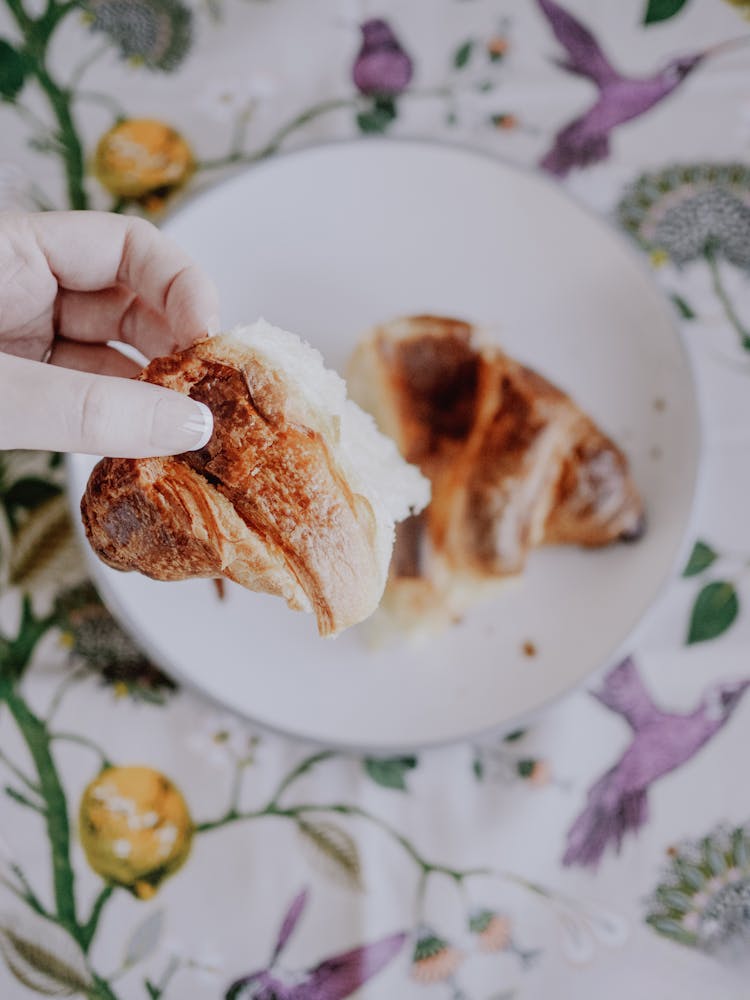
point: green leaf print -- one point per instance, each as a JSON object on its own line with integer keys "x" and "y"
{"x": 43, "y": 957}
{"x": 682, "y": 306}
{"x": 701, "y": 558}
{"x": 672, "y": 929}
{"x": 334, "y": 850}
{"x": 45, "y": 549}
{"x": 662, "y": 10}
{"x": 145, "y": 939}
{"x": 715, "y": 608}
{"x": 29, "y": 492}
{"x": 390, "y": 773}
{"x": 378, "y": 118}
{"x": 463, "y": 53}
{"x": 12, "y": 71}
{"x": 525, "y": 767}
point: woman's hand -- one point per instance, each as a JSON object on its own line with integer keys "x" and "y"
{"x": 70, "y": 282}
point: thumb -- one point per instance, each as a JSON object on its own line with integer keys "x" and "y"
{"x": 57, "y": 409}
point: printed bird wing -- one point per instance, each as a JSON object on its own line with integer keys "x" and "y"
{"x": 607, "y": 816}
{"x": 289, "y": 923}
{"x": 624, "y": 692}
{"x": 340, "y": 976}
{"x": 584, "y": 54}
{"x": 578, "y": 144}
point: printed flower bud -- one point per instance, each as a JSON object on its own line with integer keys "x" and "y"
{"x": 434, "y": 959}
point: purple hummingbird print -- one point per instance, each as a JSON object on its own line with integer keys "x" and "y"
{"x": 662, "y": 741}
{"x": 621, "y": 98}
{"x": 382, "y": 67}
{"x": 332, "y": 979}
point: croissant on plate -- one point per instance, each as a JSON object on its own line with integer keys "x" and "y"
{"x": 295, "y": 494}
{"x": 514, "y": 463}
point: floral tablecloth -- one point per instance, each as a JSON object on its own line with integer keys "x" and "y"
{"x": 151, "y": 846}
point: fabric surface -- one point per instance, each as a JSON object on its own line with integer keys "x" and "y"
{"x": 153, "y": 846}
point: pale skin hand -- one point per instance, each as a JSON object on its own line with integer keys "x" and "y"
{"x": 70, "y": 282}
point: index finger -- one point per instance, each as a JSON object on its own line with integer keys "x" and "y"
{"x": 89, "y": 251}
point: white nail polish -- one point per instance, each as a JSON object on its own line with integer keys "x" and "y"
{"x": 206, "y": 425}
{"x": 180, "y": 424}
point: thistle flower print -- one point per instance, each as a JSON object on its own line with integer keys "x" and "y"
{"x": 156, "y": 34}
{"x": 93, "y": 636}
{"x": 703, "y": 898}
{"x": 685, "y": 209}
{"x": 694, "y": 212}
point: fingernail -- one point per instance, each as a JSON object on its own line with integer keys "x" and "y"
{"x": 181, "y": 424}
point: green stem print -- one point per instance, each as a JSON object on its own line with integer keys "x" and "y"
{"x": 157, "y": 990}
{"x": 84, "y": 742}
{"x": 55, "y": 809}
{"x": 301, "y": 812}
{"x": 371, "y": 117}
{"x": 72, "y": 151}
{"x": 238, "y": 155}
{"x": 15, "y": 656}
{"x": 141, "y": 162}
{"x": 721, "y": 293}
{"x": 14, "y": 769}
{"x": 157, "y": 801}
{"x": 89, "y": 928}
{"x": 159, "y": 160}
{"x": 37, "y": 34}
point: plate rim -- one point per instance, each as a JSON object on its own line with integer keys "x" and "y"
{"x": 666, "y": 577}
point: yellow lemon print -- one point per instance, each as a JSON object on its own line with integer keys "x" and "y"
{"x": 143, "y": 159}
{"x": 135, "y": 828}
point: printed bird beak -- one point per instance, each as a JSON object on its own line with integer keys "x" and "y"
{"x": 736, "y": 693}
{"x": 727, "y": 46}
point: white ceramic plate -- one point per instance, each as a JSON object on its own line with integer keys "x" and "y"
{"x": 327, "y": 242}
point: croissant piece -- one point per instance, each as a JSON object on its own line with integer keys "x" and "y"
{"x": 296, "y": 494}
{"x": 514, "y": 463}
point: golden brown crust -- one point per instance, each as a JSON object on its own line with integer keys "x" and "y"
{"x": 513, "y": 462}
{"x": 264, "y": 503}
{"x": 596, "y": 500}
{"x": 158, "y": 517}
